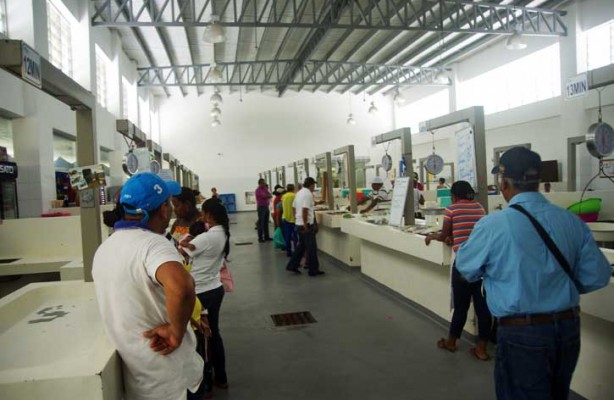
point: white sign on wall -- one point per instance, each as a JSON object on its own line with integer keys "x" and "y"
{"x": 576, "y": 86}
{"x": 31, "y": 66}
{"x": 465, "y": 156}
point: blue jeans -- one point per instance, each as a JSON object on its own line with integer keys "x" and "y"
{"x": 536, "y": 361}
{"x": 263, "y": 223}
{"x": 290, "y": 236}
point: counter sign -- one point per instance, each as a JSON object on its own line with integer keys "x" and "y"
{"x": 576, "y": 86}
{"x": 31, "y": 66}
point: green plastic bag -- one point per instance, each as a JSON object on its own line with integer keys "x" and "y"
{"x": 278, "y": 239}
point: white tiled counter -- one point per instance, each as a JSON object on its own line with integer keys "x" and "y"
{"x": 334, "y": 242}
{"x": 402, "y": 262}
{"x": 54, "y": 345}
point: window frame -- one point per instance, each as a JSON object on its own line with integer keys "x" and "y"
{"x": 60, "y": 34}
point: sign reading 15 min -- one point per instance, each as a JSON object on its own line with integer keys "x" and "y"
{"x": 31, "y": 66}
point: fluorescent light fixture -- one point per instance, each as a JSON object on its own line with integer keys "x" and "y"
{"x": 516, "y": 41}
{"x": 372, "y": 108}
{"x": 214, "y": 32}
{"x": 398, "y": 98}
{"x": 216, "y": 111}
{"x": 351, "y": 120}
{"x": 441, "y": 77}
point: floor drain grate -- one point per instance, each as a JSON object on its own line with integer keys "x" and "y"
{"x": 243, "y": 243}
{"x": 295, "y": 318}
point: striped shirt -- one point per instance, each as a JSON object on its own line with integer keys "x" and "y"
{"x": 462, "y": 215}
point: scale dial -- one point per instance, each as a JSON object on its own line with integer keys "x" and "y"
{"x": 600, "y": 140}
{"x": 387, "y": 162}
{"x": 131, "y": 164}
{"x": 155, "y": 167}
{"x": 434, "y": 164}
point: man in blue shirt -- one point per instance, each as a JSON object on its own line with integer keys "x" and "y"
{"x": 535, "y": 300}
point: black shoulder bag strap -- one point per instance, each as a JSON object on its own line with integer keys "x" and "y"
{"x": 549, "y": 242}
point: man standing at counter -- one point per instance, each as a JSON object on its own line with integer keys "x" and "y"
{"x": 307, "y": 228}
{"x": 263, "y": 199}
{"x": 533, "y": 291}
{"x": 146, "y": 296}
{"x": 377, "y": 196}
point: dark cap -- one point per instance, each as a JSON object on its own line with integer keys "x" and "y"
{"x": 519, "y": 164}
{"x": 309, "y": 181}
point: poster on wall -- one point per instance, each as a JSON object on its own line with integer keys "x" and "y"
{"x": 89, "y": 176}
{"x": 465, "y": 155}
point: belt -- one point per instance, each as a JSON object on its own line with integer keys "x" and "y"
{"x": 539, "y": 319}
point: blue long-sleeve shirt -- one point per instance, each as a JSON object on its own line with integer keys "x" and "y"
{"x": 521, "y": 276}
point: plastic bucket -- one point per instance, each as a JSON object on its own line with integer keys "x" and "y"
{"x": 587, "y": 206}
{"x": 589, "y": 217}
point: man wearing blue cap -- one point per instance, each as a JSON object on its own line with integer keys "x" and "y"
{"x": 146, "y": 296}
{"x": 535, "y": 259}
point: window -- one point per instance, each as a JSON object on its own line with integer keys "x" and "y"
{"x": 59, "y": 31}
{"x": 426, "y": 108}
{"x": 526, "y": 80}
{"x": 128, "y": 101}
{"x": 6, "y": 140}
{"x": 3, "y": 24}
{"x": 102, "y": 68}
{"x": 596, "y": 47}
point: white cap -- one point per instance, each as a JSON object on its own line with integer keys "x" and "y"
{"x": 377, "y": 179}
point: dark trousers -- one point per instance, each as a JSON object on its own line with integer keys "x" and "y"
{"x": 536, "y": 361}
{"x": 212, "y": 302}
{"x": 263, "y": 223}
{"x": 306, "y": 245}
{"x": 463, "y": 292}
{"x": 290, "y": 236}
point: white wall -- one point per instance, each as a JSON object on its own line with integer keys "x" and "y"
{"x": 263, "y": 132}
{"x": 37, "y": 114}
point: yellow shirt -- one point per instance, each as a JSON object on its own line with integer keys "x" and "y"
{"x": 286, "y": 203}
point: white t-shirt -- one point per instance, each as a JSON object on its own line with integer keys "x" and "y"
{"x": 381, "y": 195}
{"x": 132, "y": 301}
{"x": 303, "y": 199}
{"x": 208, "y": 258}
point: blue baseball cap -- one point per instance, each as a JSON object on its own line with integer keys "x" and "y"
{"x": 146, "y": 192}
{"x": 520, "y": 164}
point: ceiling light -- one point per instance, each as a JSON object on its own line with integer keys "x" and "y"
{"x": 516, "y": 41}
{"x": 216, "y": 111}
{"x": 216, "y": 97}
{"x": 351, "y": 120}
{"x": 441, "y": 77}
{"x": 214, "y": 32}
{"x": 215, "y": 74}
{"x": 398, "y": 98}
{"x": 216, "y": 122}
{"x": 372, "y": 108}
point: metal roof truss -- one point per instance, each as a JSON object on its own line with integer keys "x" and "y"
{"x": 450, "y": 15}
{"x": 271, "y": 73}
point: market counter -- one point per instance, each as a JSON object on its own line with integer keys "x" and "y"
{"x": 54, "y": 345}
{"x": 334, "y": 242}
{"x": 402, "y": 262}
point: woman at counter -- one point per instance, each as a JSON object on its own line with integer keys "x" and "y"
{"x": 459, "y": 220}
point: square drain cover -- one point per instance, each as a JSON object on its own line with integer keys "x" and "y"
{"x": 295, "y": 318}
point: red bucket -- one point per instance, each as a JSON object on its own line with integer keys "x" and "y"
{"x": 589, "y": 217}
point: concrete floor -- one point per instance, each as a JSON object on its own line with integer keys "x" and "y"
{"x": 366, "y": 344}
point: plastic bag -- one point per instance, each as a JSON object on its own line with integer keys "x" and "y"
{"x": 278, "y": 239}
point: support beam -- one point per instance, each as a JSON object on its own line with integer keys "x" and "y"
{"x": 268, "y": 73}
{"x": 351, "y": 171}
{"x": 329, "y": 181}
{"x": 286, "y": 14}
{"x": 404, "y": 134}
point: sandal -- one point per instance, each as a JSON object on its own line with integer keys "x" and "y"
{"x": 442, "y": 344}
{"x": 475, "y": 354}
